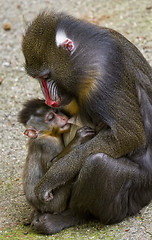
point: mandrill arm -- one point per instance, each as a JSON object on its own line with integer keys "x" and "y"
{"x": 67, "y": 167}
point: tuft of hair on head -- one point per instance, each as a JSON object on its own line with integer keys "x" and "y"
{"x": 29, "y": 108}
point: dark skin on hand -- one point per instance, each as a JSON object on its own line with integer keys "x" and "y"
{"x": 98, "y": 74}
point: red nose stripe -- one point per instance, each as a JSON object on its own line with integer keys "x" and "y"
{"x": 46, "y": 90}
{"x": 48, "y": 100}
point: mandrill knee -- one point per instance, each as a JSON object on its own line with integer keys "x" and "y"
{"x": 95, "y": 159}
{"x": 95, "y": 163}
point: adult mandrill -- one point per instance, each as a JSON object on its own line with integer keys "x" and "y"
{"x": 99, "y": 75}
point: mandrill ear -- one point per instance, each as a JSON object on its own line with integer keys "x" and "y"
{"x": 63, "y": 41}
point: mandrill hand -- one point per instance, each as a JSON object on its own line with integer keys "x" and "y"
{"x": 84, "y": 134}
{"x": 43, "y": 194}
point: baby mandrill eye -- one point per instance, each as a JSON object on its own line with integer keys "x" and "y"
{"x": 50, "y": 116}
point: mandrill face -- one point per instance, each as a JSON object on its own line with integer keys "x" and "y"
{"x": 47, "y": 53}
{"x": 60, "y": 55}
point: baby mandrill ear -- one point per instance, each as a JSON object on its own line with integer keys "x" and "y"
{"x": 63, "y": 41}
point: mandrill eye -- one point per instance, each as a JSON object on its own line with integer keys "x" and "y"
{"x": 46, "y": 76}
{"x": 50, "y": 116}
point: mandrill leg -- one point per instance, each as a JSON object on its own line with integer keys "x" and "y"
{"x": 107, "y": 189}
{"x": 110, "y": 189}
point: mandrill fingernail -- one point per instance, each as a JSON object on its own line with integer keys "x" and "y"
{"x": 51, "y": 196}
{"x": 48, "y": 197}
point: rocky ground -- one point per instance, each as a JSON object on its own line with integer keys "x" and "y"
{"x": 133, "y": 18}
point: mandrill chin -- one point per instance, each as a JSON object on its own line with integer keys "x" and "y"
{"x": 96, "y": 74}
